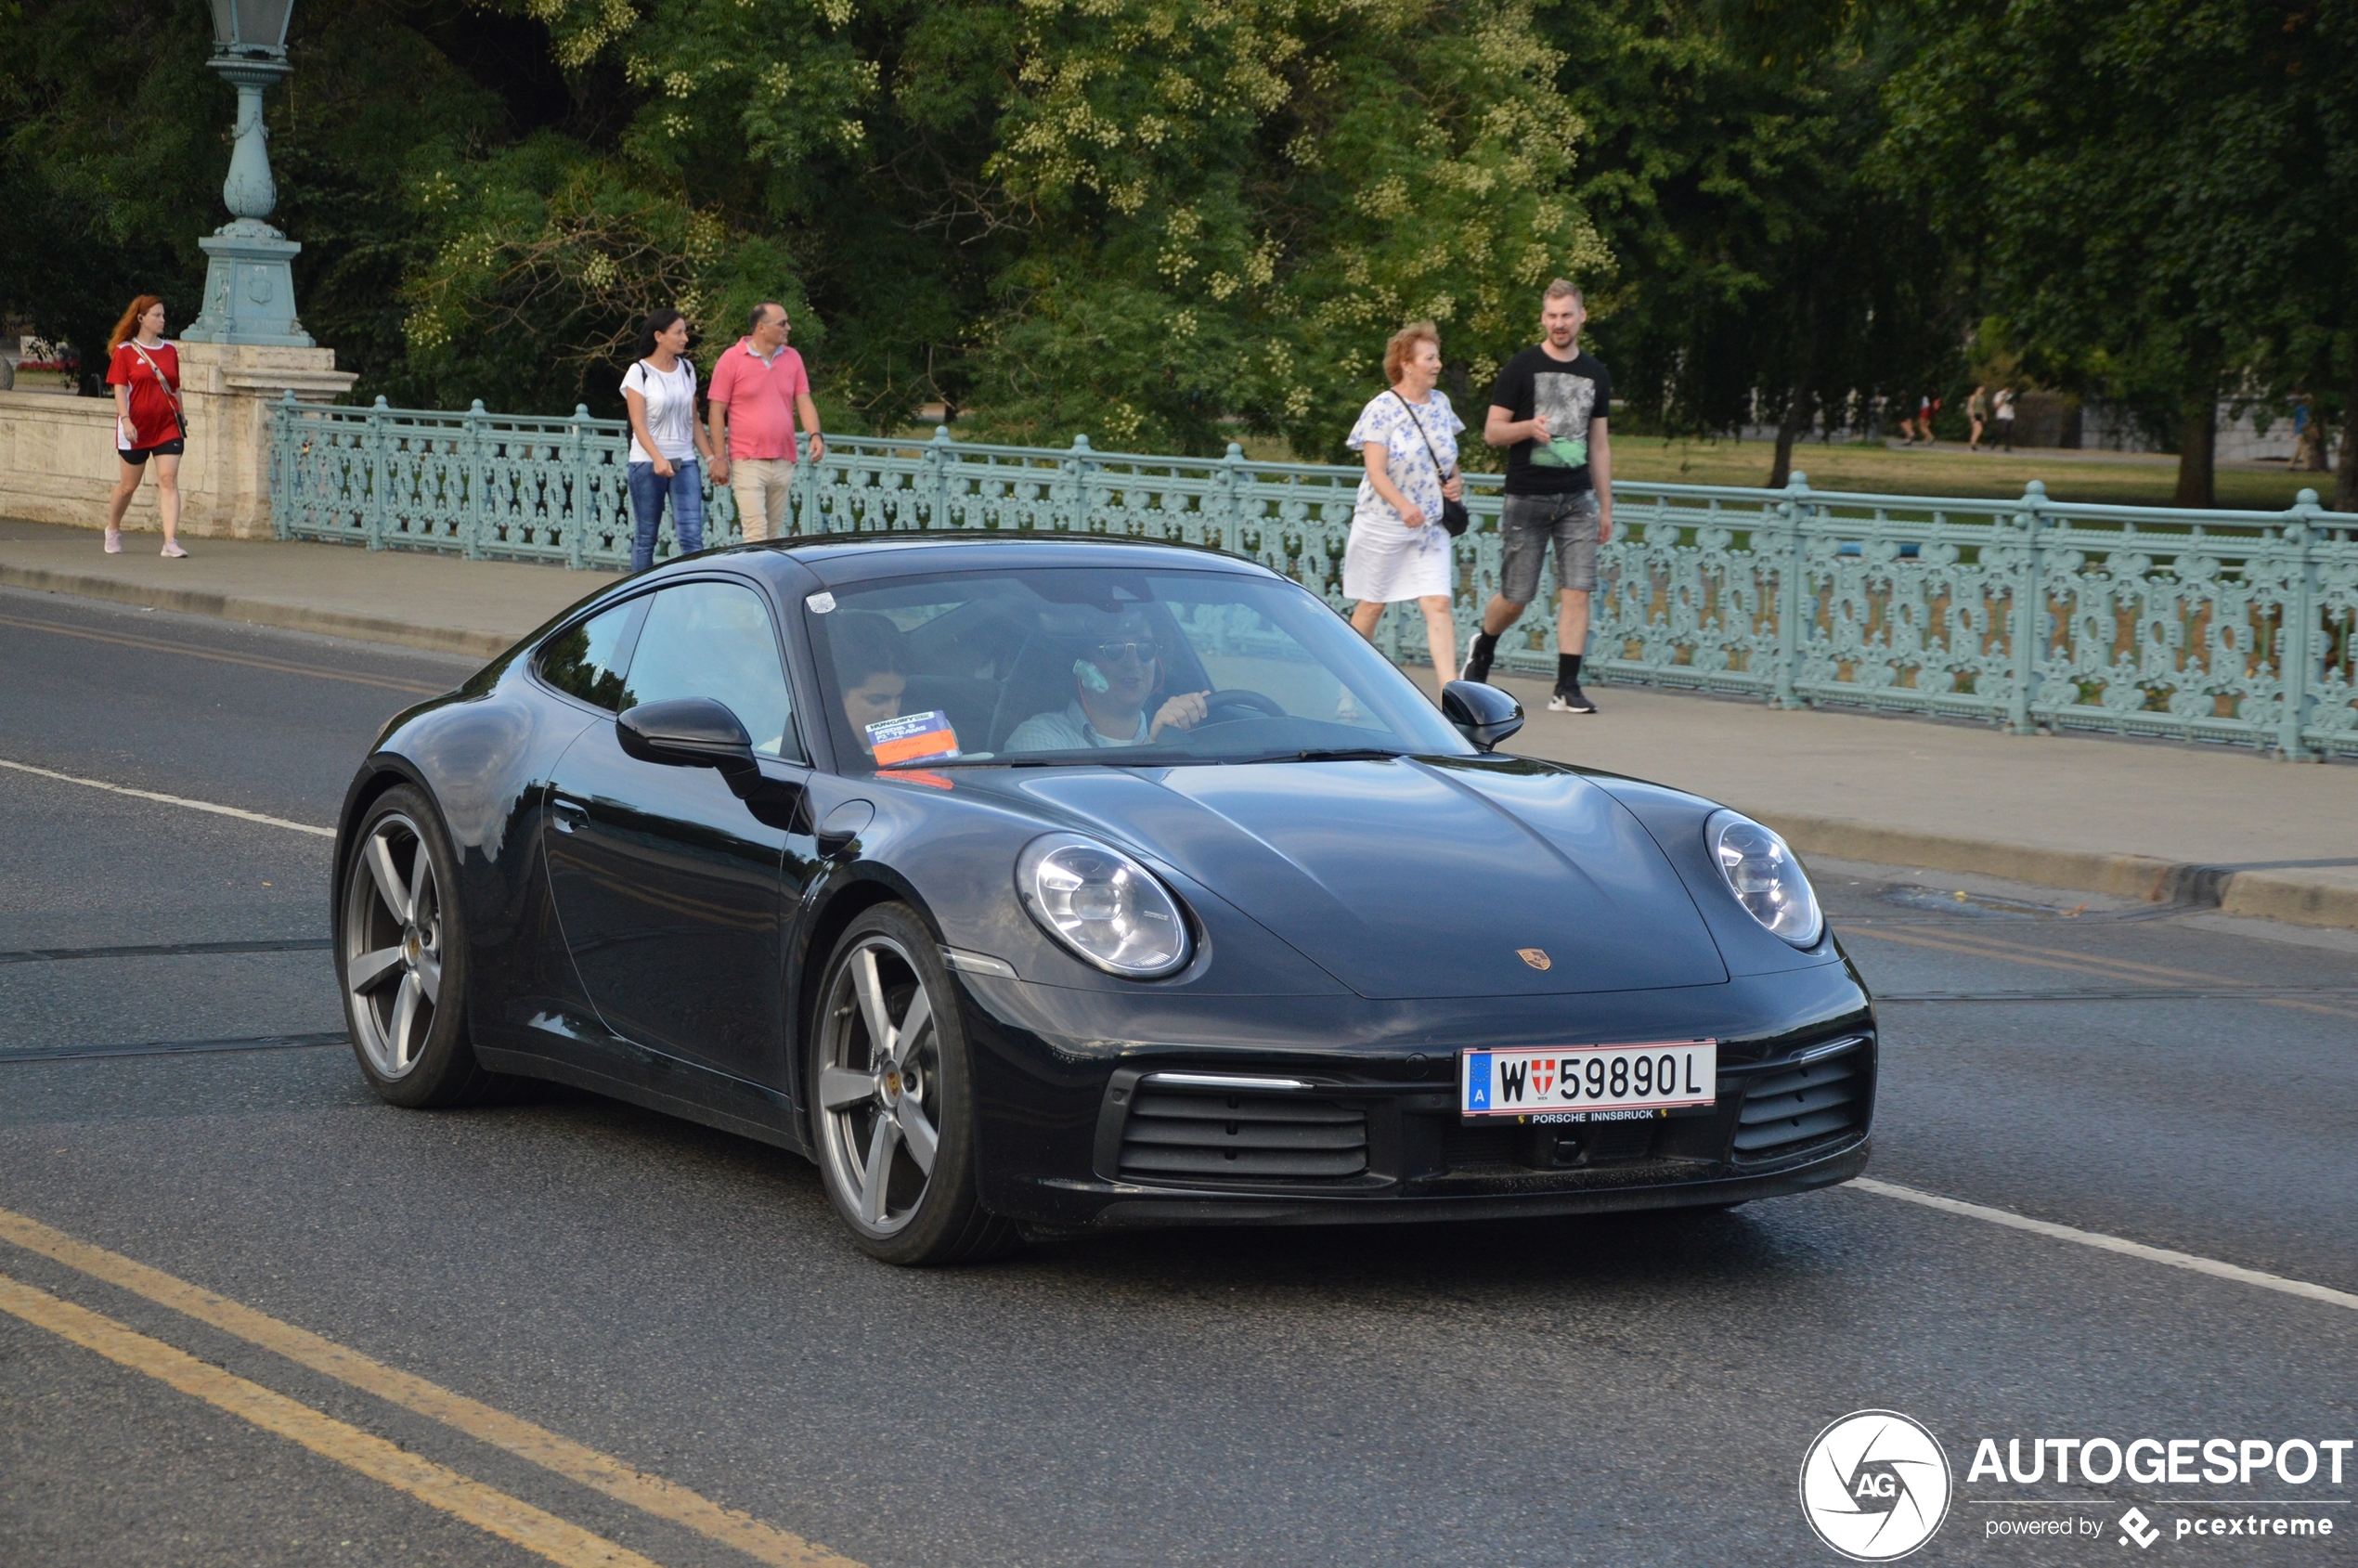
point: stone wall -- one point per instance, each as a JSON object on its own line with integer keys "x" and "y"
{"x": 57, "y": 453}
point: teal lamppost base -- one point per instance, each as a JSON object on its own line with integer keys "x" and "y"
{"x": 249, "y": 289}
{"x": 249, "y": 285}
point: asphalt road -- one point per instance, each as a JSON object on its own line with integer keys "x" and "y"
{"x": 1621, "y": 1391}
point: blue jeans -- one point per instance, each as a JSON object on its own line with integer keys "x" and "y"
{"x": 648, "y": 490}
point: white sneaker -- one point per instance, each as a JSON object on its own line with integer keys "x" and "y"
{"x": 114, "y": 541}
{"x": 173, "y": 551}
{"x": 1571, "y": 701}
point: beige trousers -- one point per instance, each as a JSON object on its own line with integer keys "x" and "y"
{"x": 760, "y": 484}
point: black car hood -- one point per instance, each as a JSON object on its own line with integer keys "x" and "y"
{"x": 1416, "y": 878}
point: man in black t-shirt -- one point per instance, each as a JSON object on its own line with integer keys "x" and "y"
{"x": 1548, "y": 410}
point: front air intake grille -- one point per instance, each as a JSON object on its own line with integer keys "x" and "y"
{"x": 1241, "y": 1136}
{"x": 1785, "y": 1110}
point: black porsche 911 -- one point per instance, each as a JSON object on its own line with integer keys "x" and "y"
{"x": 1044, "y": 885}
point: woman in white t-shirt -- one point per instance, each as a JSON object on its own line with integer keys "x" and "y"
{"x": 1398, "y": 548}
{"x": 666, "y": 439}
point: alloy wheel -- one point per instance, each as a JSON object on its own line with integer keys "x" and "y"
{"x": 880, "y": 1087}
{"x": 393, "y": 949}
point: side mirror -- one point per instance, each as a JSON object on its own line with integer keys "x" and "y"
{"x": 690, "y": 732}
{"x": 1484, "y": 714}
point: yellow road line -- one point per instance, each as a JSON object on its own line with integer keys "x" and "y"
{"x": 253, "y": 661}
{"x": 436, "y": 1485}
{"x": 575, "y": 1462}
{"x": 2111, "y": 968}
{"x": 1998, "y": 947}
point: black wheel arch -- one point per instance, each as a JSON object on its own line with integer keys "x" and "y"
{"x": 382, "y": 771}
{"x": 842, "y": 898}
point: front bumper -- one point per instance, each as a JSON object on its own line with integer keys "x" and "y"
{"x": 1081, "y": 1134}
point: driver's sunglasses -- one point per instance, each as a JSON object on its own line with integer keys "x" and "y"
{"x": 1114, "y": 652}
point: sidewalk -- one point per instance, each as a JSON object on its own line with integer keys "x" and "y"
{"x": 2202, "y": 825}
{"x": 421, "y": 600}
{"x": 2205, "y": 826}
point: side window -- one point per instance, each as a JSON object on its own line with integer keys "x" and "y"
{"x": 714, "y": 640}
{"x": 589, "y": 659}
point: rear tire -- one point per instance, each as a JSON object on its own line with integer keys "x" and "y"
{"x": 401, "y": 958}
{"x": 891, "y": 1093}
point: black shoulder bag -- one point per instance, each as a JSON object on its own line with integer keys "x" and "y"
{"x": 1454, "y": 518}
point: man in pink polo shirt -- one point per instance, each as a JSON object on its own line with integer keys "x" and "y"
{"x": 758, "y": 386}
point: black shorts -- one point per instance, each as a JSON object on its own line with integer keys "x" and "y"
{"x": 138, "y": 459}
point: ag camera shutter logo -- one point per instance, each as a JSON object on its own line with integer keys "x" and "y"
{"x": 1875, "y": 1485}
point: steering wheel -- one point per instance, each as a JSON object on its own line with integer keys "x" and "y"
{"x": 1238, "y": 697}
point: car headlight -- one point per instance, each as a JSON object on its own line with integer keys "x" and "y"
{"x": 1765, "y": 877}
{"x": 1110, "y": 909}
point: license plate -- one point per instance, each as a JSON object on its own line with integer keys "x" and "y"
{"x": 1589, "y": 1082}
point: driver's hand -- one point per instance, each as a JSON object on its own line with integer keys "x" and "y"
{"x": 1183, "y": 712}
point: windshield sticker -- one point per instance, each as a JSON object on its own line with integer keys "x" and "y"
{"x": 912, "y": 737}
{"x": 820, "y": 602}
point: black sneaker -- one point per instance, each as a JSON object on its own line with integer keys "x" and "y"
{"x": 1477, "y": 661}
{"x": 1570, "y": 699}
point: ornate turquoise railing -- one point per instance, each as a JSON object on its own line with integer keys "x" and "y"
{"x": 2218, "y": 626}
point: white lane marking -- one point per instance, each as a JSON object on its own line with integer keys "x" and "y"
{"x": 170, "y": 799}
{"x": 2210, "y": 1266}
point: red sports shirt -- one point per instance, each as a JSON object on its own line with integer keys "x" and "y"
{"x": 153, "y": 420}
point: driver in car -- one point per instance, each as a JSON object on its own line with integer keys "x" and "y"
{"x": 1114, "y": 680}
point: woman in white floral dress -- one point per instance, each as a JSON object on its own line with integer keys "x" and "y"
{"x": 1408, "y": 437}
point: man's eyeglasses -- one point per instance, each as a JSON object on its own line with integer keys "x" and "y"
{"x": 1116, "y": 652}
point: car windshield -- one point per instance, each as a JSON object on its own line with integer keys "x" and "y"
{"x": 1123, "y": 667}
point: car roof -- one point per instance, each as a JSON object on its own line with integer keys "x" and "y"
{"x": 849, "y": 558}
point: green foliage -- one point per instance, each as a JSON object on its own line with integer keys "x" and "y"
{"x": 1166, "y": 223}
{"x": 2158, "y": 191}
{"x": 1768, "y": 271}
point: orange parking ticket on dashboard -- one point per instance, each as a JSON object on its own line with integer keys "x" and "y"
{"x": 912, "y": 737}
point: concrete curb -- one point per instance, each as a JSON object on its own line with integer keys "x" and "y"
{"x": 263, "y": 611}
{"x": 2258, "y": 894}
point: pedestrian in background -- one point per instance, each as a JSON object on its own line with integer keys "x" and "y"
{"x": 2002, "y": 416}
{"x": 1977, "y": 412}
{"x": 666, "y": 439}
{"x": 1548, "y": 410}
{"x": 759, "y": 388}
{"x": 1407, "y": 438}
{"x": 2308, "y": 434}
{"x": 149, "y": 423}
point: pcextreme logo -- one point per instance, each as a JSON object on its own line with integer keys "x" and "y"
{"x": 1875, "y": 1485}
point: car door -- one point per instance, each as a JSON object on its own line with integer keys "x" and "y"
{"x": 674, "y": 895}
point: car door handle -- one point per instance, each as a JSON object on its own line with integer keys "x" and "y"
{"x": 566, "y": 815}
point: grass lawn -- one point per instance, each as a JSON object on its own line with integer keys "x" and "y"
{"x": 2122, "y": 478}
{"x": 2119, "y": 478}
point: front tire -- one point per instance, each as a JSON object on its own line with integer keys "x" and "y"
{"x": 401, "y": 957}
{"x": 893, "y": 1099}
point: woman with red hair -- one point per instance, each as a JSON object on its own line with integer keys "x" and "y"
{"x": 145, "y": 373}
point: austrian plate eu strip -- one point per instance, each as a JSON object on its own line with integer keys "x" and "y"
{"x": 1589, "y": 1083}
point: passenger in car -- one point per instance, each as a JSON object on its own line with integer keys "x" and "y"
{"x": 1114, "y": 680}
{"x": 872, "y": 666}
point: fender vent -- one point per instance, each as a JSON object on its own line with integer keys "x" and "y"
{"x": 1242, "y": 1137}
{"x": 1786, "y": 1109}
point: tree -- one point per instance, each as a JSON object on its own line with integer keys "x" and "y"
{"x": 2138, "y": 178}
{"x": 1762, "y": 264}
